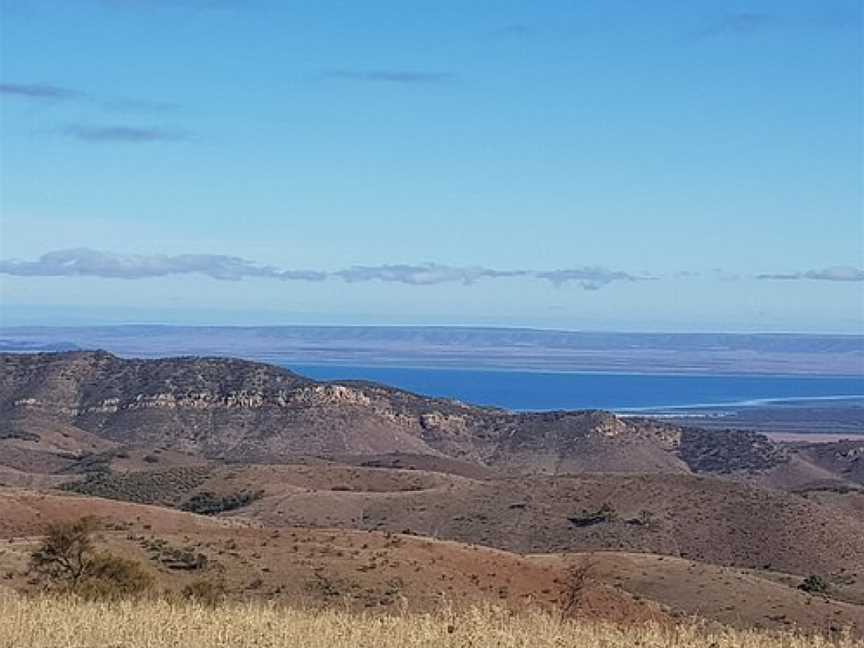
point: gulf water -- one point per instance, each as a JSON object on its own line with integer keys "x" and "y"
{"x": 521, "y": 390}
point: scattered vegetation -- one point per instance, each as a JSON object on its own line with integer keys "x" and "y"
{"x": 604, "y": 514}
{"x": 815, "y": 585}
{"x": 67, "y": 561}
{"x": 176, "y": 558}
{"x": 20, "y": 435}
{"x": 646, "y": 519}
{"x": 91, "y": 463}
{"x": 166, "y": 487}
{"x": 207, "y": 503}
{"x": 728, "y": 451}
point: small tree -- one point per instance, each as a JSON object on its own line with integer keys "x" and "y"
{"x": 66, "y": 553}
{"x": 576, "y": 579}
{"x": 67, "y": 560}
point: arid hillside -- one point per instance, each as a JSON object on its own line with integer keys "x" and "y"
{"x": 59, "y": 409}
{"x": 282, "y": 488}
{"x": 682, "y": 515}
{"x": 369, "y": 570}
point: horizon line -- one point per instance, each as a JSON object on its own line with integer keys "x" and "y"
{"x": 433, "y": 326}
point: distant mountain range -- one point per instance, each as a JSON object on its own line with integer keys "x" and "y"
{"x": 477, "y": 348}
{"x": 28, "y": 346}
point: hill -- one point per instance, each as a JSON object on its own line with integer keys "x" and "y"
{"x": 379, "y": 570}
{"x": 681, "y": 516}
{"x": 312, "y": 492}
{"x": 59, "y": 408}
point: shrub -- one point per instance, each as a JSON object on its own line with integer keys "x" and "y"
{"x": 68, "y": 561}
{"x": 207, "y": 503}
{"x": 607, "y": 511}
{"x": 183, "y": 559}
{"x": 646, "y": 519}
{"x": 113, "y": 577}
{"x": 604, "y": 514}
{"x": 814, "y": 585}
{"x": 203, "y": 591}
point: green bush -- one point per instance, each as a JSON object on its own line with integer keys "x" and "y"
{"x": 604, "y": 514}
{"x": 207, "y": 503}
{"x": 814, "y": 585}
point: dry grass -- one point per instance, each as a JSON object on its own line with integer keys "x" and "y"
{"x": 66, "y": 623}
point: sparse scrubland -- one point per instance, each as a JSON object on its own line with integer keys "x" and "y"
{"x": 237, "y": 504}
{"x": 52, "y": 622}
{"x": 89, "y": 598}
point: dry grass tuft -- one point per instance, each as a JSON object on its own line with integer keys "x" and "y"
{"x": 45, "y": 622}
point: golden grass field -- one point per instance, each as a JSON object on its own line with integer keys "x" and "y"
{"x": 67, "y": 623}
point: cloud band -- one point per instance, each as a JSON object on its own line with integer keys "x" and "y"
{"x": 85, "y": 262}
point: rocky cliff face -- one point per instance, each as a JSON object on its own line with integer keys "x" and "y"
{"x": 247, "y": 411}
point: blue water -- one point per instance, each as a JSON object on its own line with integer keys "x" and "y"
{"x": 520, "y": 390}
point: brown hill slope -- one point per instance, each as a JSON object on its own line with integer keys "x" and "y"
{"x": 379, "y": 570}
{"x": 706, "y": 519}
{"x": 703, "y": 519}
{"x": 54, "y": 408}
{"x": 842, "y": 458}
{"x": 311, "y": 567}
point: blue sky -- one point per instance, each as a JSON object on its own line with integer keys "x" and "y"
{"x": 585, "y": 165}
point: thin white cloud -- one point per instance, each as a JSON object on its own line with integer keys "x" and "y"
{"x": 588, "y": 277}
{"x": 426, "y": 274}
{"x": 84, "y": 262}
{"x": 834, "y": 273}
